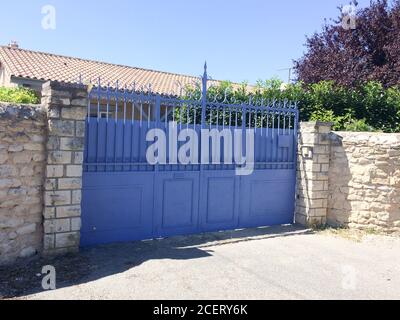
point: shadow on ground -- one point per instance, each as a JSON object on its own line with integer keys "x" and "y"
{"x": 94, "y": 263}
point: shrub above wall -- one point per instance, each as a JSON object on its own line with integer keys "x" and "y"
{"x": 18, "y": 95}
{"x": 368, "y": 107}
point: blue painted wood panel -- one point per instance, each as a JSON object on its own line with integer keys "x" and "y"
{"x": 176, "y": 198}
{"x": 116, "y": 207}
{"x": 267, "y": 198}
{"x": 219, "y": 200}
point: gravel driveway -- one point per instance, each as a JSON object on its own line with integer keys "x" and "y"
{"x": 266, "y": 263}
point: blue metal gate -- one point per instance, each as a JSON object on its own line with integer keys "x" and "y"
{"x": 126, "y": 198}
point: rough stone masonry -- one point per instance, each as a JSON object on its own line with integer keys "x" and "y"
{"x": 364, "y": 181}
{"x": 22, "y": 166}
{"x": 349, "y": 179}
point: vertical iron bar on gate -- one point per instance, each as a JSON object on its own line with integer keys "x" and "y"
{"x": 203, "y": 105}
{"x": 158, "y": 116}
{"x": 204, "y": 97}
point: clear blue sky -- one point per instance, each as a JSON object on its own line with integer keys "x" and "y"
{"x": 241, "y": 40}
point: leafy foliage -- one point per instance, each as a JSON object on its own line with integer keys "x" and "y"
{"x": 358, "y": 125}
{"x": 18, "y": 95}
{"x": 346, "y": 122}
{"x": 370, "y": 52}
{"x": 368, "y": 107}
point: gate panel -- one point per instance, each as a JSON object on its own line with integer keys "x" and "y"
{"x": 219, "y": 202}
{"x": 176, "y": 197}
{"x": 267, "y": 198}
{"x": 117, "y": 207}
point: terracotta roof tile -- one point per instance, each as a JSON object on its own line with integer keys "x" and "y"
{"x": 45, "y": 66}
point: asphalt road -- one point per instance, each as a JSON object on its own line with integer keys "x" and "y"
{"x": 269, "y": 263}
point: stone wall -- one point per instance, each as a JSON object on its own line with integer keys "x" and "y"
{"x": 22, "y": 166}
{"x": 364, "y": 181}
{"x": 348, "y": 179}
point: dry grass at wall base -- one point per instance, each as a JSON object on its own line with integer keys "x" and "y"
{"x": 357, "y": 235}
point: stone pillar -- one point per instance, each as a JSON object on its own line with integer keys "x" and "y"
{"x": 313, "y": 174}
{"x": 66, "y": 106}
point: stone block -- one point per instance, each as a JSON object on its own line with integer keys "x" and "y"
{"x": 80, "y": 127}
{"x": 26, "y": 171}
{"x": 64, "y": 128}
{"x": 83, "y": 103}
{"x": 74, "y": 171}
{"x": 27, "y": 252}
{"x": 11, "y": 222}
{"x": 68, "y": 211}
{"x": 318, "y": 149}
{"x": 49, "y": 212}
{"x": 51, "y": 184}
{"x": 76, "y": 197}
{"x": 301, "y": 219}
{"x": 49, "y": 241}
{"x": 55, "y": 171}
{"x": 16, "y": 148}
{"x": 57, "y": 226}
{"x": 57, "y": 198}
{"x": 27, "y": 229}
{"x": 323, "y": 159}
{"x": 9, "y": 183}
{"x": 78, "y": 158}
{"x": 59, "y": 157}
{"x": 76, "y": 224}
{"x": 12, "y": 235}
{"x": 53, "y": 143}
{"x": 69, "y": 183}
{"x": 75, "y": 112}
{"x": 3, "y": 157}
{"x": 72, "y": 144}
{"x": 325, "y": 167}
{"x": 8, "y": 171}
{"x": 54, "y": 112}
{"x": 22, "y": 157}
{"x": 34, "y": 146}
{"x": 307, "y": 139}
{"x": 70, "y": 239}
